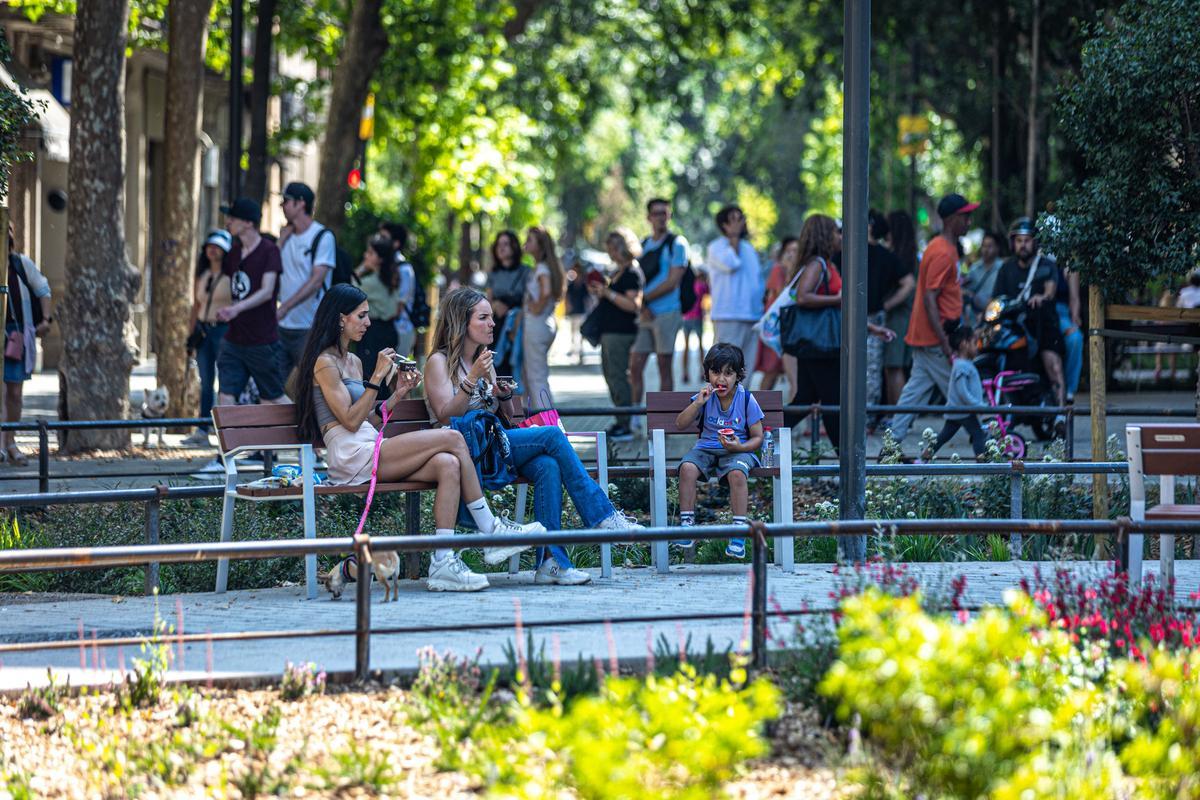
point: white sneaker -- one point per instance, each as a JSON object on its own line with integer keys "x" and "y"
{"x": 210, "y": 468}
{"x": 551, "y": 572}
{"x": 620, "y": 521}
{"x": 450, "y": 574}
{"x": 506, "y": 527}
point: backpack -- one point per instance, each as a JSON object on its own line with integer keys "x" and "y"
{"x": 343, "y": 266}
{"x": 687, "y": 284}
{"x": 419, "y": 313}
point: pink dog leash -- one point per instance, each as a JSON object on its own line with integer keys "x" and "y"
{"x": 358, "y": 534}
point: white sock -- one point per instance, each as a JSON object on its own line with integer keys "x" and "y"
{"x": 443, "y": 552}
{"x": 687, "y": 518}
{"x": 484, "y": 520}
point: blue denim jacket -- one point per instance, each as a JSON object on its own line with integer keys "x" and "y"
{"x": 488, "y": 444}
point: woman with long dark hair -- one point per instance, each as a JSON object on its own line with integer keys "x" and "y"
{"x": 343, "y": 409}
{"x": 378, "y": 279}
{"x": 505, "y": 293}
{"x": 819, "y": 379}
{"x": 213, "y": 292}
{"x": 460, "y": 377}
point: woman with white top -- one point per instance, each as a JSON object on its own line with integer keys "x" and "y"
{"x": 543, "y": 290}
{"x": 213, "y": 292}
{"x": 459, "y": 377}
{"x": 344, "y": 410}
{"x": 736, "y": 280}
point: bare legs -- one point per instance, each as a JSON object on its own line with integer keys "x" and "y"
{"x": 739, "y": 494}
{"x": 435, "y": 456}
{"x": 637, "y": 376}
{"x": 13, "y": 398}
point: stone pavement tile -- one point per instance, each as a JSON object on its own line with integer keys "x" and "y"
{"x": 631, "y": 592}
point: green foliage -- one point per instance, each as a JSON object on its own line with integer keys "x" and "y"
{"x": 1132, "y": 115}
{"x": 359, "y": 768}
{"x": 451, "y": 701}
{"x": 143, "y": 687}
{"x": 681, "y": 736}
{"x": 258, "y": 742}
{"x": 1166, "y": 710}
{"x": 980, "y": 709}
{"x": 301, "y": 680}
{"x": 42, "y": 702}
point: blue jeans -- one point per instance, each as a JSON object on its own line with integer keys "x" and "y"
{"x": 206, "y": 363}
{"x": 1073, "y": 345}
{"x": 543, "y": 456}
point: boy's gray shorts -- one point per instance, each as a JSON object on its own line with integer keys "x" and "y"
{"x": 719, "y": 463}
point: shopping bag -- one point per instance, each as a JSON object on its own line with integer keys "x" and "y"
{"x": 546, "y": 417}
{"x": 768, "y": 326}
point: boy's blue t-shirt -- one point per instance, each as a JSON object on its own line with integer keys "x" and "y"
{"x": 743, "y": 412}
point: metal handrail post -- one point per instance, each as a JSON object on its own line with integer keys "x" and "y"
{"x": 43, "y": 432}
{"x": 362, "y": 611}
{"x": 758, "y": 598}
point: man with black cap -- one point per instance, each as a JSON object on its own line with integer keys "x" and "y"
{"x": 250, "y": 348}
{"x": 309, "y": 253}
{"x": 938, "y": 299}
{"x": 1033, "y": 277}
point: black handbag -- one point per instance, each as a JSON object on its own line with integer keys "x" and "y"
{"x": 593, "y": 326}
{"x": 811, "y": 332}
{"x": 200, "y": 329}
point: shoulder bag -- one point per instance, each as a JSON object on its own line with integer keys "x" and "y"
{"x": 812, "y": 332}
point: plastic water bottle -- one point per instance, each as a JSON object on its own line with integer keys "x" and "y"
{"x": 768, "y": 448}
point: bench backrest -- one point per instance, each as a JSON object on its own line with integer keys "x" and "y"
{"x": 1170, "y": 449}
{"x": 663, "y": 407}
{"x": 265, "y": 425}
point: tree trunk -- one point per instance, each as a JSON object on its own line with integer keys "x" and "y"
{"x": 260, "y": 97}
{"x": 366, "y": 42}
{"x": 98, "y": 353}
{"x": 1031, "y": 149}
{"x": 187, "y": 27}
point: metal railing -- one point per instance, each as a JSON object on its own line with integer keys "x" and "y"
{"x": 134, "y": 555}
{"x": 43, "y": 427}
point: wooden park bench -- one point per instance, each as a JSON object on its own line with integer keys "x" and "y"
{"x": 661, "y": 410}
{"x": 246, "y": 429}
{"x": 1166, "y": 450}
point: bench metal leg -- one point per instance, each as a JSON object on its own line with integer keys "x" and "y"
{"x": 658, "y": 493}
{"x": 307, "y": 462}
{"x": 1137, "y": 504}
{"x": 1166, "y": 541}
{"x": 514, "y": 562}
{"x": 226, "y": 530}
{"x": 785, "y": 551}
{"x": 602, "y": 477}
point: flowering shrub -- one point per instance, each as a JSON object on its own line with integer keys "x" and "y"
{"x": 301, "y": 680}
{"x": 1102, "y": 607}
{"x": 680, "y": 736}
{"x": 984, "y": 709}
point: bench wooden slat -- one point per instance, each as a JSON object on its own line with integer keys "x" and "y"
{"x": 1173, "y": 511}
{"x": 230, "y": 438}
{"x": 266, "y": 415}
{"x": 1170, "y": 449}
{"x": 662, "y": 409}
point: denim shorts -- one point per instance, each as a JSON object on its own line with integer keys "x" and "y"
{"x": 719, "y": 463}
{"x": 237, "y": 364}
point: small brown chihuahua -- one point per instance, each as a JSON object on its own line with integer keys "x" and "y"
{"x": 385, "y": 565}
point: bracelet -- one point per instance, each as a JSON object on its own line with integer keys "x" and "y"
{"x": 468, "y": 385}
{"x": 375, "y": 386}
{"x": 504, "y": 398}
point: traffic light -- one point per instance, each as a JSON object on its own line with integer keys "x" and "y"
{"x": 354, "y": 179}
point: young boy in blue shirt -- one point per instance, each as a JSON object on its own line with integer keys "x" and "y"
{"x": 731, "y": 430}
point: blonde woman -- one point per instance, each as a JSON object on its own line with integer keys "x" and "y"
{"x": 543, "y": 290}
{"x": 620, "y": 300}
{"x": 459, "y": 377}
{"x": 344, "y": 410}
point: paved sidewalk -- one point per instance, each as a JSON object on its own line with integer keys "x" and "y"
{"x": 686, "y": 590}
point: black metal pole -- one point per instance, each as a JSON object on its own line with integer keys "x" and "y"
{"x": 43, "y": 456}
{"x": 855, "y": 139}
{"x": 362, "y": 615}
{"x": 153, "y": 512}
{"x": 235, "y": 99}
{"x": 758, "y": 601}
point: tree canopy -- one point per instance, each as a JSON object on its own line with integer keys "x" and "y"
{"x": 1134, "y": 114}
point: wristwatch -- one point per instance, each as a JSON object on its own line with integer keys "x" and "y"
{"x": 375, "y": 386}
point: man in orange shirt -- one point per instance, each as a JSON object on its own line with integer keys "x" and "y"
{"x": 938, "y": 299}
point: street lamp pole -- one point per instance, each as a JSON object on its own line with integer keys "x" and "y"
{"x": 235, "y": 99}
{"x": 855, "y": 203}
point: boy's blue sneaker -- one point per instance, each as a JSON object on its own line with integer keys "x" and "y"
{"x": 682, "y": 544}
{"x": 736, "y": 548}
